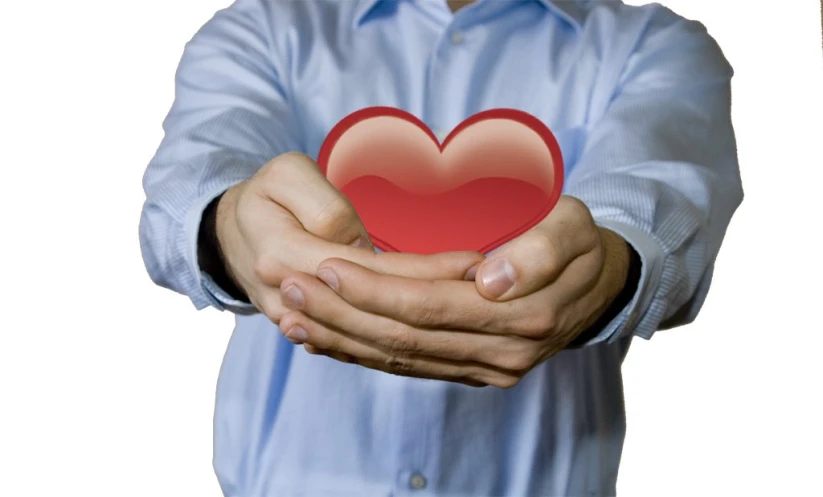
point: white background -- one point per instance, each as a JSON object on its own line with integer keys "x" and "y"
{"x": 107, "y": 381}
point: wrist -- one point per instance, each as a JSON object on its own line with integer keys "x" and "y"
{"x": 211, "y": 247}
{"x": 621, "y": 277}
{"x": 618, "y": 259}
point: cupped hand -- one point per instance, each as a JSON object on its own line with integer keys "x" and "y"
{"x": 288, "y": 217}
{"x": 531, "y": 298}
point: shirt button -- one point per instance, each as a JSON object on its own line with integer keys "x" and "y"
{"x": 417, "y": 481}
{"x": 457, "y": 37}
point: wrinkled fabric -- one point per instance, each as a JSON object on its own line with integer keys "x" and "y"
{"x": 639, "y": 101}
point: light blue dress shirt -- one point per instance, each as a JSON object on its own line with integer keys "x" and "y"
{"x": 639, "y": 100}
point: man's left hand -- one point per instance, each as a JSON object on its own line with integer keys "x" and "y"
{"x": 530, "y": 299}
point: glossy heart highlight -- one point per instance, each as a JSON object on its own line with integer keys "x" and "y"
{"x": 496, "y": 175}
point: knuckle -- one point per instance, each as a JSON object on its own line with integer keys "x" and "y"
{"x": 547, "y": 253}
{"x": 547, "y": 321}
{"x": 283, "y": 169}
{"x": 538, "y": 326}
{"x": 397, "y": 364}
{"x": 275, "y": 314}
{"x": 582, "y": 217}
{"x": 400, "y": 342}
{"x": 272, "y": 310}
{"x": 267, "y": 270}
{"x": 274, "y": 170}
{"x": 297, "y": 158}
{"x": 576, "y": 206}
{"x": 332, "y": 218}
{"x": 592, "y": 236}
{"x": 540, "y": 243}
{"x": 286, "y": 164}
{"x": 243, "y": 204}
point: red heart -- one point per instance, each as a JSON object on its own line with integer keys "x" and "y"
{"x": 497, "y": 175}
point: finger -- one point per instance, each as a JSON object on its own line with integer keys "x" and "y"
{"x": 297, "y": 250}
{"x": 321, "y": 338}
{"x": 536, "y": 258}
{"x": 441, "y": 266}
{"x": 436, "y": 372}
{"x": 268, "y": 301}
{"x": 338, "y": 356}
{"x": 454, "y": 305}
{"x": 328, "y": 215}
{"x": 304, "y": 252}
{"x": 296, "y": 182}
{"x": 434, "y": 304}
{"x": 319, "y": 303}
{"x": 499, "y": 380}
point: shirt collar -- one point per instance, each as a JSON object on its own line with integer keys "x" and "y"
{"x": 570, "y": 10}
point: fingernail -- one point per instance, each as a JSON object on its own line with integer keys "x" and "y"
{"x": 297, "y": 335}
{"x": 472, "y": 272}
{"x": 498, "y": 277}
{"x": 329, "y": 277}
{"x": 293, "y": 297}
{"x": 361, "y": 242}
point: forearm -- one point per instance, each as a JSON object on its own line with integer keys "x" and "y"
{"x": 172, "y": 215}
{"x": 228, "y": 119}
{"x": 676, "y": 239}
{"x": 660, "y": 169}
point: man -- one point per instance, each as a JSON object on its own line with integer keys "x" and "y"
{"x": 239, "y": 217}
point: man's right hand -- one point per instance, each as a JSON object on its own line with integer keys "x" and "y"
{"x": 288, "y": 217}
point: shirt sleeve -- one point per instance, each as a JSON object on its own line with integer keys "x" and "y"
{"x": 230, "y": 115}
{"x": 660, "y": 168}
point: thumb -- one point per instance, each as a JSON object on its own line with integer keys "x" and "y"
{"x": 296, "y": 183}
{"x": 517, "y": 269}
{"x": 537, "y": 257}
{"x": 440, "y": 266}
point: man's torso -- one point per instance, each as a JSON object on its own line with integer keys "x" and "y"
{"x": 289, "y": 423}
